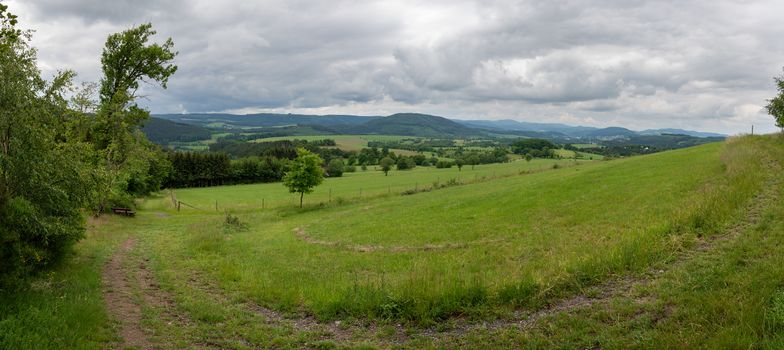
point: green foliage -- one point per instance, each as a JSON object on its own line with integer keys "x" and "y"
{"x": 460, "y": 162}
{"x": 131, "y": 163}
{"x": 7, "y": 23}
{"x": 405, "y": 163}
{"x": 162, "y": 131}
{"x": 304, "y": 173}
{"x": 44, "y": 181}
{"x": 535, "y": 147}
{"x": 386, "y": 164}
{"x": 444, "y": 164}
{"x": 128, "y": 59}
{"x": 413, "y": 124}
{"x": 775, "y": 105}
{"x": 335, "y": 168}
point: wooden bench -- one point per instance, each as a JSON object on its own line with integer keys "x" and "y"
{"x": 124, "y": 211}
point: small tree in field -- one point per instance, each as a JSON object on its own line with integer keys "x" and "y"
{"x": 528, "y": 157}
{"x": 459, "y": 162}
{"x": 335, "y": 168}
{"x": 775, "y": 105}
{"x": 386, "y": 164}
{"x": 472, "y": 160}
{"x": 305, "y": 173}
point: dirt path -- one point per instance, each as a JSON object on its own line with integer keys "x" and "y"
{"x": 120, "y": 300}
{"x": 129, "y": 285}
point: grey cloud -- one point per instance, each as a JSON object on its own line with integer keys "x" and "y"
{"x": 706, "y": 63}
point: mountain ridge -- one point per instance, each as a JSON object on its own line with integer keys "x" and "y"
{"x": 418, "y": 124}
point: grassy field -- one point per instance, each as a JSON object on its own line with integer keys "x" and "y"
{"x": 347, "y": 142}
{"x": 203, "y": 145}
{"x": 565, "y": 153}
{"x": 677, "y": 249}
{"x": 371, "y": 182}
{"x": 586, "y": 145}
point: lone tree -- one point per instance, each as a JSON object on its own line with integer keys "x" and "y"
{"x": 305, "y": 173}
{"x": 775, "y": 105}
{"x": 459, "y": 162}
{"x": 528, "y": 157}
{"x": 472, "y": 160}
{"x": 130, "y": 161}
{"x": 386, "y": 164}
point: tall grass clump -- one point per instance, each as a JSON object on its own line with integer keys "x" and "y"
{"x": 420, "y": 299}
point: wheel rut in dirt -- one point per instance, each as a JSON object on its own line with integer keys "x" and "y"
{"x": 120, "y": 299}
{"x": 129, "y": 286}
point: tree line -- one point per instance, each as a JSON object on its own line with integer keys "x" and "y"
{"x": 191, "y": 169}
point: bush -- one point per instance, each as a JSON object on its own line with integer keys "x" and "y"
{"x": 405, "y": 163}
{"x": 350, "y": 169}
{"x": 443, "y": 164}
{"x": 233, "y": 222}
{"x": 335, "y": 168}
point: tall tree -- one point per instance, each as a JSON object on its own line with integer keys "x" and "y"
{"x": 775, "y": 105}
{"x": 304, "y": 173}
{"x": 132, "y": 164}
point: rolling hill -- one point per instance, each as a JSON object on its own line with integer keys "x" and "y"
{"x": 414, "y": 124}
{"x": 233, "y": 121}
{"x": 163, "y": 131}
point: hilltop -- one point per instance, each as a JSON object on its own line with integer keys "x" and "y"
{"x": 414, "y": 124}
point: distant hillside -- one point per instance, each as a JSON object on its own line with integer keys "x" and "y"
{"x": 664, "y": 141}
{"x": 611, "y": 132}
{"x": 680, "y": 132}
{"x": 513, "y": 125}
{"x": 232, "y": 121}
{"x": 163, "y": 131}
{"x": 414, "y": 124}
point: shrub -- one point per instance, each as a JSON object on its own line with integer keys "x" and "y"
{"x": 405, "y": 163}
{"x": 335, "y": 168}
{"x": 443, "y": 164}
{"x": 233, "y": 222}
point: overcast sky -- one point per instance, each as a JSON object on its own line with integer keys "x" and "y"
{"x": 705, "y": 65}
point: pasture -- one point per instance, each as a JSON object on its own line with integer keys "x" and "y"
{"x": 593, "y": 254}
{"x": 362, "y": 183}
{"x": 348, "y": 142}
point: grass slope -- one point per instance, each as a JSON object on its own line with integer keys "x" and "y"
{"x": 485, "y": 251}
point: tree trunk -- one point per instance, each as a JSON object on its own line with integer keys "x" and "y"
{"x": 301, "y": 194}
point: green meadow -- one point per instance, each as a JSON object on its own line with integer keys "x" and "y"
{"x": 347, "y": 142}
{"x": 360, "y": 184}
{"x": 640, "y": 252}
